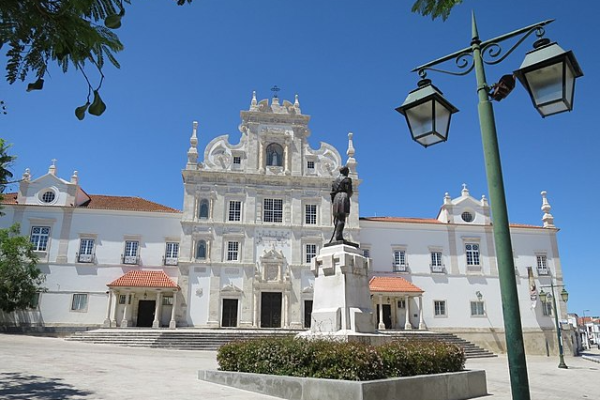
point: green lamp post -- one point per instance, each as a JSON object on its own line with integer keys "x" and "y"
{"x": 544, "y": 297}
{"x": 548, "y": 73}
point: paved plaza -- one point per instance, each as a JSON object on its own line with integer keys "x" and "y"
{"x": 38, "y": 368}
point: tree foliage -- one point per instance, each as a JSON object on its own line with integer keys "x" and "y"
{"x": 20, "y": 278}
{"x": 6, "y": 161}
{"x": 435, "y": 8}
{"x": 68, "y": 33}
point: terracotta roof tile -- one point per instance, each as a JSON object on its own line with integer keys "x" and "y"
{"x": 149, "y": 279}
{"x": 392, "y": 284}
{"x": 127, "y": 203}
{"x": 402, "y": 219}
{"x": 9, "y": 198}
{"x": 104, "y": 202}
{"x": 428, "y": 221}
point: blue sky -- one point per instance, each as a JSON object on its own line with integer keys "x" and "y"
{"x": 349, "y": 62}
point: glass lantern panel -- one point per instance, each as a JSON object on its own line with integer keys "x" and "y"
{"x": 429, "y": 140}
{"x": 546, "y": 84}
{"x": 420, "y": 119}
{"x": 442, "y": 120}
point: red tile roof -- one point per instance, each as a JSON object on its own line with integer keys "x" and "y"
{"x": 429, "y": 221}
{"x": 9, "y": 198}
{"x": 402, "y": 219}
{"x": 392, "y": 284}
{"x": 149, "y": 279}
{"x": 103, "y": 202}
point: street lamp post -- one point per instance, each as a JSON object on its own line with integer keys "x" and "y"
{"x": 564, "y": 296}
{"x": 549, "y": 75}
{"x": 587, "y": 337}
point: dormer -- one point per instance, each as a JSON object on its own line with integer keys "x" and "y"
{"x": 50, "y": 190}
{"x": 465, "y": 210}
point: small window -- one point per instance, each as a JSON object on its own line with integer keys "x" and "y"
{"x": 237, "y": 160}
{"x": 235, "y": 210}
{"x": 467, "y": 216}
{"x": 436, "y": 258}
{"x": 472, "y": 252}
{"x": 310, "y": 215}
{"x": 273, "y": 210}
{"x": 547, "y": 308}
{"x": 367, "y": 253}
{"x": 86, "y": 250}
{"x": 400, "y": 260}
{"x": 311, "y": 251}
{"x": 401, "y": 303}
{"x": 310, "y": 164}
{"x": 171, "y": 253}
{"x": 123, "y": 299}
{"x": 203, "y": 209}
{"x": 39, "y": 237}
{"x": 233, "y": 249}
{"x": 439, "y": 308}
{"x": 79, "y": 302}
{"x": 477, "y": 309}
{"x": 542, "y": 264}
{"x": 201, "y": 250}
{"x": 130, "y": 256}
{"x": 48, "y": 196}
{"x": 167, "y": 301}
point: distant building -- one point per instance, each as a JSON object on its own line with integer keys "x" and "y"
{"x": 238, "y": 255}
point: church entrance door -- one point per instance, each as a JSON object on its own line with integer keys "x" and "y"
{"x": 270, "y": 310}
{"x": 146, "y": 313}
{"x": 387, "y": 315}
{"x": 230, "y": 310}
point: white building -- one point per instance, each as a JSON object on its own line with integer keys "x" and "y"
{"x": 238, "y": 255}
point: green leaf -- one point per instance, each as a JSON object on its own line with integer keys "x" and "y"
{"x": 97, "y": 107}
{"x": 37, "y": 85}
{"x": 80, "y": 111}
{"x": 113, "y": 21}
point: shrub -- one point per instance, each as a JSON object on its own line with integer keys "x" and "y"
{"x": 339, "y": 360}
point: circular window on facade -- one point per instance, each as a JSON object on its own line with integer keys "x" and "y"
{"x": 48, "y": 196}
{"x": 467, "y": 216}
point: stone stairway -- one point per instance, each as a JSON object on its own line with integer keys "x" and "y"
{"x": 212, "y": 339}
{"x": 179, "y": 339}
{"x": 471, "y": 350}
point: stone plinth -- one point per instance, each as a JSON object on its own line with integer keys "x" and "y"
{"x": 341, "y": 301}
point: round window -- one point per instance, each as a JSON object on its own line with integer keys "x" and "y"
{"x": 467, "y": 216}
{"x": 48, "y": 196}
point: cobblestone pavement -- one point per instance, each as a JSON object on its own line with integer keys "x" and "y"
{"x": 38, "y": 368}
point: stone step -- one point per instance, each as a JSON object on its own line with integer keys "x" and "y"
{"x": 213, "y": 339}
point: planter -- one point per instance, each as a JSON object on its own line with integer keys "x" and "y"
{"x": 449, "y": 386}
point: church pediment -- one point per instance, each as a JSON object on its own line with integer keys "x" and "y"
{"x": 465, "y": 209}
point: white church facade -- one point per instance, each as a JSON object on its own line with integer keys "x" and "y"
{"x": 238, "y": 255}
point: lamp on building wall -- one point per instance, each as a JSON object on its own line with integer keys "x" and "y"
{"x": 548, "y": 74}
{"x": 479, "y": 295}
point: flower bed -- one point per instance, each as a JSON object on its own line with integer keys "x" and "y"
{"x": 340, "y": 360}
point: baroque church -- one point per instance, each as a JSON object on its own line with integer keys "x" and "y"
{"x": 238, "y": 255}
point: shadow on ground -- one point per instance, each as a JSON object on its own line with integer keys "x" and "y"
{"x": 17, "y": 386}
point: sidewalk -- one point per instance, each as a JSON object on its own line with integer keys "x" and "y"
{"x": 38, "y": 368}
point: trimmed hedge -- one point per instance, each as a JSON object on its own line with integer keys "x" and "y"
{"x": 339, "y": 360}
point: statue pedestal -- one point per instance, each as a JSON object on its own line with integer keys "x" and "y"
{"x": 342, "y": 300}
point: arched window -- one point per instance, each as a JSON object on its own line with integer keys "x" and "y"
{"x": 275, "y": 155}
{"x": 201, "y": 250}
{"x": 203, "y": 209}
